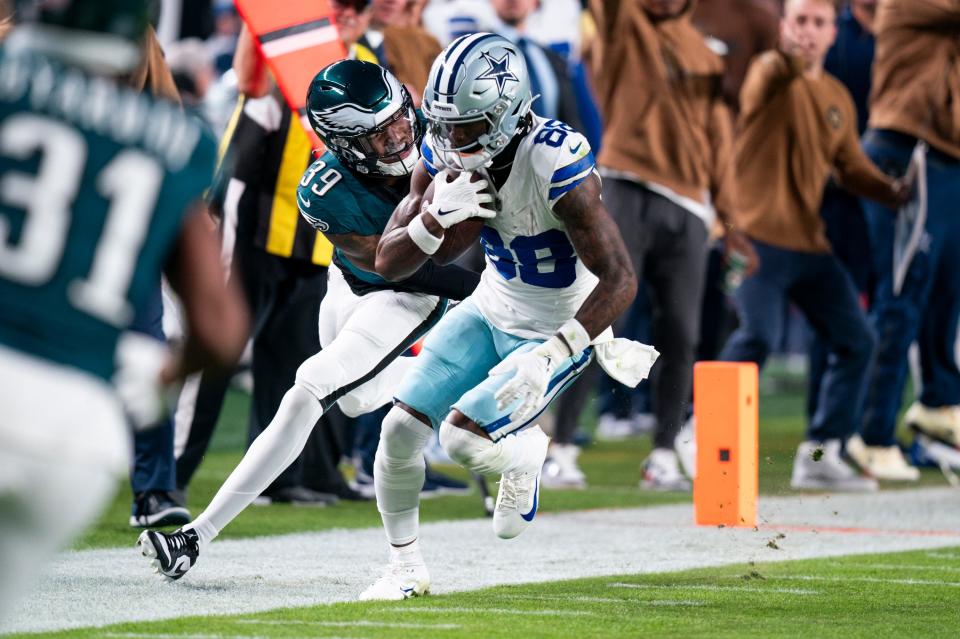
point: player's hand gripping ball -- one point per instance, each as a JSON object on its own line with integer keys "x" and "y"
{"x": 461, "y": 203}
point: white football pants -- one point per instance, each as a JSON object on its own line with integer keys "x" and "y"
{"x": 359, "y": 367}
{"x": 63, "y": 446}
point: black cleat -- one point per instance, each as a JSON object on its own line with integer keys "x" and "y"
{"x": 171, "y": 555}
{"x": 157, "y": 508}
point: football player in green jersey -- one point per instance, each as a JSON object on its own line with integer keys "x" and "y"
{"x": 99, "y": 192}
{"x": 373, "y": 135}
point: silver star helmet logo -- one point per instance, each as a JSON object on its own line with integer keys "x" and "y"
{"x": 498, "y": 70}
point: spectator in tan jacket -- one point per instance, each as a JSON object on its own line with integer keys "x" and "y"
{"x": 797, "y": 124}
{"x": 666, "y": 163}
{"x": 916, "y": 96}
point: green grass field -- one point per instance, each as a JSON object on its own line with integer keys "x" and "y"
{"x": 912, "y": 594}
{"x": 612, "y": 470}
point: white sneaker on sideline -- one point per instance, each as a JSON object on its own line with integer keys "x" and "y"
{"x": 818, "y": 466}
{"x": 881, "y": 462}
{"x": 611, "y": 428}
{"x": 401, "y": 580}
{"x": 661, "y": 471}
{"x": 941, "y": 423}
{"x": 519, "y": 492}
{"x": 685, "y": 444}
{"x": 560, "y": 470}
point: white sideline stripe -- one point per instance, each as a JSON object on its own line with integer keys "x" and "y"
{"x": 244, "y": 576}
{"x": 871, "y": 580}
{"x": 494, "y": 611}
{"x": 350, "y": 624}
{"x": 920, "y": 567}
{"x": 300, "y": 41}
{"x": 586, "y": 599}
{"x": 943, "y": 555}
{"x": 708, "y": 588}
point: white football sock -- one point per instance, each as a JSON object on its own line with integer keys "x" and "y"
{"x": 479, "y": 454}
{"x": 268, "y": 456}
{"x": 398, "y": 473}
{"x": 409, "y": 554}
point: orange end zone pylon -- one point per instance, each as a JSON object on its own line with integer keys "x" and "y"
{"x": 725, "y": 404}
{"x": 297, "y": 38}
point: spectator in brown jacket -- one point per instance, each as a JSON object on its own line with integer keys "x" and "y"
{"x": 737, "y": 40}
{"x": 666, "y": 165}
{"x": 916, "y": 96}
{"x": 796, "y": 124}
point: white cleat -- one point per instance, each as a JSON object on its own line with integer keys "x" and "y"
{"x": 398, "y": 582}
{"x": 941, "y": 423}
{"x": 560, "y": 470}
{"x": 685, "y": 444}
{"x": 881, "y": 462}
{"x": 661, "y": 472}
{"x": 519, "y": 493}
{"x": 819, "y": 467}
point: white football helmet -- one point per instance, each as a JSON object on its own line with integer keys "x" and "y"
{"x": 476, "y": 97}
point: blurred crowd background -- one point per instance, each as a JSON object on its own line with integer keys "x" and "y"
{"x": 816, "y": 332}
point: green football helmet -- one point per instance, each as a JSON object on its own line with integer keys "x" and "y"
{"x": 103, "y": 35}
{"x": 366, "y": 118}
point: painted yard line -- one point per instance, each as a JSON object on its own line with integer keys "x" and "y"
{"x": 244, "y": 576}
{"x": 943, "y": 555}
{"x": 871, "y": 580}
{"x": 498, "y": 611}
{"x": 584, "y": 599}
{"x": 350, "y": 624}
{"x": 785, "y": 591}
{"x": 920, "y": 567}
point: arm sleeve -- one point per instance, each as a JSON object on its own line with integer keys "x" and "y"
{"x": 770, "y": 74}
{"x": 242, "y": 150}
{"x": 722, "y": 182}
{"x": 426, "y": 155}
{"x": 562, "y": 159}
{"x": 853, "y": 168}
{"x": 449, "y": 281}
{"x": 334, "y": 213}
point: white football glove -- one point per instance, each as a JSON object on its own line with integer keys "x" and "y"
{"x": 534, "y": 369}
{"x": 529, "y": 383}
{"x": 454, "y": 202}
{"x": 140, "y": 359}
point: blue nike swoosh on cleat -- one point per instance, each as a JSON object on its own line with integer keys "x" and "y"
{"x": 406, "y": 591}
{"x": 576, "y": 148}
{"x": 533, "y": 510}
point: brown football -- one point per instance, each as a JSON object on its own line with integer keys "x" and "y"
{"x": 459, "y": 237}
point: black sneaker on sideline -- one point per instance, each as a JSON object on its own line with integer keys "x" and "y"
{"x": 171, "y": 555}
{"x": 296, "y": 495}
{"x": 156, "y": 508}
{"x": 435, "y": 483}
{"x": 343, "y": 492}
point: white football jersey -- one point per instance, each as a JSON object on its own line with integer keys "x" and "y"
{"x": 534, "y": 281}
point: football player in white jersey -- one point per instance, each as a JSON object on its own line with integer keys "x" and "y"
{"x": 557, "y": 275}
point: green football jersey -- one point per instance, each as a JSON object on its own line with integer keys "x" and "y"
{"x": 95, "y": 180}
{"x": 335, "y": 201}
